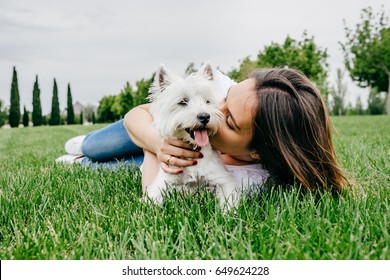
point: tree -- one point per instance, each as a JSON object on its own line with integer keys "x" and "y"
{"x": 376, "y": 103}
{"x": 142, "y": 92}
{"x": 37, "y": 109}
{"x": 338, "y": 93}
{"x": 44, "y": 120}
{"x": 104, "y": 110}
{"x": 25, "y": 117}
{"x": 14, "y": 110}
{"x": 114, "y": 107}
{"x": 69, "y": 109}
{"x": 3, "y": 113}
{"x": 303, "y": 55}
{"x": 55, "y": 118}
{"x": 367, "y": 52}
{"x": 123, "y": 102}
{"x": 81, "y": 117}
{"x": 245, "y": 68}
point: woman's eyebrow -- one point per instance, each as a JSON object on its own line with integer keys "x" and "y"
{"x": 230, "y": 114}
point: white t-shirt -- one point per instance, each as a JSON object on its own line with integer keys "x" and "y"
{"x": 250, "y": 176}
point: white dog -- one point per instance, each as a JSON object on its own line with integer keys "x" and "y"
{"x": 187, "y": 109}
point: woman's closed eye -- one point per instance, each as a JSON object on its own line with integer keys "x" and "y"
{"x": 227, "y": 123}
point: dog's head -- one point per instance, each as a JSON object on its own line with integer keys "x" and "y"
{"x": 186, "y": 108}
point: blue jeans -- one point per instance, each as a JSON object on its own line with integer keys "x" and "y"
{"x": 111, "y": 147}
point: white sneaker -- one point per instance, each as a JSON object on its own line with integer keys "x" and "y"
{"x": 69, "y": 159}
{"x": 73, "y": 146}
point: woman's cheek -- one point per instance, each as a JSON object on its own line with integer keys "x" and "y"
{"x": 222, "y": 141}
{"x": 217, "y": 140}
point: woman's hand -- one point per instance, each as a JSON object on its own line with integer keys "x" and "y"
{"x": 175, "y": 155}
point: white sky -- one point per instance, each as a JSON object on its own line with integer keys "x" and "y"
{"x": 97, "y": 46}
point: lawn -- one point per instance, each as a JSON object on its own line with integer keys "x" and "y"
{"x": 50, "y": 211}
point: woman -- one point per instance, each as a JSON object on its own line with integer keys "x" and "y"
{"x": 275, "y": 119}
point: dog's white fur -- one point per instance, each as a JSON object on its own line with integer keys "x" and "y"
{"x": 176, "y": 106}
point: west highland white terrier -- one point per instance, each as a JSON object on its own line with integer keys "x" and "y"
{"x": 186, "y": 108}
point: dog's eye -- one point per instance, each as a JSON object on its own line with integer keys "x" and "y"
{"x": 207, "y": 101}
{"x": 184, "y": 102}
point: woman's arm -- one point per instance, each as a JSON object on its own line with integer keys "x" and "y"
{"x": 139, "y": 125}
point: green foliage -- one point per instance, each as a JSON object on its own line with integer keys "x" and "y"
{"x": 45, "y": 120}
{"x": 37, "y": 109}
{"x": 142, "y": 92}
{"x": 123, "y": 102}
{"x": 3, "y": 113}
{"x": 367, "y": 51}
{"x": 245, "y": 68}
{"x": 357, "y": 110}
{"x": 376, "y": 103}
{"x": 26, "y": 118}
{"x": 303, "y": 55}
{"x": 55, "y": 118}
{"x": 69, "y": 109}
{"x": 104, "y": 110}
{"x": 14, "y": 110}
{"x": 51, "y": 211}
{"x": 114, "y": 107}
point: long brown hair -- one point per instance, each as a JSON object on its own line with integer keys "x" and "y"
{"x": 292, "y": 131}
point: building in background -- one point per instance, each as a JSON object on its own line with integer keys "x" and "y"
{"x": 78, "y": 108}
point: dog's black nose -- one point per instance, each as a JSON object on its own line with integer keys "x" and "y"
{"x": 204, "y": 118}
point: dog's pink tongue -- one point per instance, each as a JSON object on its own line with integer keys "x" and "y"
{"x": 201, "y": 137}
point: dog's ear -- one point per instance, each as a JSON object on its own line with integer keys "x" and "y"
{"x": 206, "y": 71}
{"x": 163, "y": 78}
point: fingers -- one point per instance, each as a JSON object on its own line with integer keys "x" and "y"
{"x": 176, "y": 165}
{"x": 178, "y": 143}
{"x": 175, "y": 155}
{"x": 170, "y": 169}
{"x": 181, "y": 153}
{"x": 179, "y": 162}
{"x": 179, "y": 149}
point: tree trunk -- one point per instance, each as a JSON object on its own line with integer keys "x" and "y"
{"x": 388, "y": 98}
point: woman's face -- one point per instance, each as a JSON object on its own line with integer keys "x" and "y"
{"x": 235, "y": 133}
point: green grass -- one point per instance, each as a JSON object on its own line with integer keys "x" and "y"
{"x": 50, "y": 211}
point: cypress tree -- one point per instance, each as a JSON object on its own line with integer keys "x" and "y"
{"x": 25, "y": 117}
{"x": 70, "y": 111}
{"x": 55, "y": 118}
{"x": 37, "y": 109}
{"x": 14, "y": 110}
{"x": 81, "y": 117}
